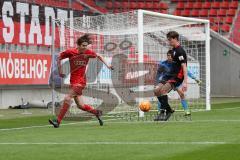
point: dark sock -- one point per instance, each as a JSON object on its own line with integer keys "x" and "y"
{"x": 164, "y": 103}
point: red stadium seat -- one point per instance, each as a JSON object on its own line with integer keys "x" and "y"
{"x": 225, "y": 28}
{"x": 117, "y": 4}
{"x": 228, "y": 20}
{"x": 125, "y": 5}
{"x": 216, "y": 5}
{"x": 186, "y": 13}
{"x": 177, "y": 13}
{"x": 221, "y": 12}
{"x": 197, "y": 5}
{"x": 231, "y": 12}
{"x": 203, "y": 13}
{"x": 156, "y": 5}
{"x": 195, "y": 13}
{"x": 149, "y": 5}
{"x": 233, "y": 4}
{"x": 180, "y": 5}
{"x": 215, "y": 28}
{"x": 206, "y": 5}
{"x": 224, "y": 5}
{"x": 133, "y": 5}
{"x": 163, "y": 6}
{"x": 189, "y": 5}
{"x": 211, "y": 19}
{"x": 141, "y": 5}
{"x": 213, "y": 12}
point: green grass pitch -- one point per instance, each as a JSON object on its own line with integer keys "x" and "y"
{"x": 211, "y": 135}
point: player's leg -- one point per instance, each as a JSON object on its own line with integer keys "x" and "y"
{"x": 159, "y": 106}
{"x": 157, "y": 91}
{"x": 161, "y": 93}
{"x": 80, "y": 104}
{"x": 183, "y": 101}
{"x": 160, "y": 114}
{"x": 164, "y": 100}
{"x": 63, "y": 110}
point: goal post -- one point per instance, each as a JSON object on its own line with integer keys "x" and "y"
{"x": 134, "y": 43}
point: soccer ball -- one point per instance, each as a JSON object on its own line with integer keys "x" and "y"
{"x": 145, "y": 106}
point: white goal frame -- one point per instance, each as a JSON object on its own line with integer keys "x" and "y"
{"x": 141, "y": 13}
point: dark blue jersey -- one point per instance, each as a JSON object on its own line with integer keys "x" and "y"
{"x": 164, "y": 71}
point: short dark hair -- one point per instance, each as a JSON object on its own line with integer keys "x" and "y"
{"x": 170, "y": 52}
{"x": 173, "y": 34}
{"x": 84, "y": 38}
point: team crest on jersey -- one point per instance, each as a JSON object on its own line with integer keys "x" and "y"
{"x": 80, "y": 63}
{"x": 181, "y": 58}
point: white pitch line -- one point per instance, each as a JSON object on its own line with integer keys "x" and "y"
{"x": 66, "y": 124}
{"x": 9, "y": 129}
{"x": 119, "y": 143}
{"x": 178, "y": 121}
{"x": 230, "y": 108}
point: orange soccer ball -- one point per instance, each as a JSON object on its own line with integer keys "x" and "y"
{"x": 145, "y": 106}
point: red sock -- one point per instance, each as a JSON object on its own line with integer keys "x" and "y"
{"x": 89, "y": 109}
{"x": 63, "y": 111}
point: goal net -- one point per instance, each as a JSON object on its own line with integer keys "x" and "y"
{"x": 134, "y": 43}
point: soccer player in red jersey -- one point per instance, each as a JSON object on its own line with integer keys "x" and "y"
{"x": 78, "y": 58}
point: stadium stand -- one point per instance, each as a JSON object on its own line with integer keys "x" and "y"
{"x": 235, "y": 34}
{"x": 223, "y": 14}
{"x": 119, "y": 6}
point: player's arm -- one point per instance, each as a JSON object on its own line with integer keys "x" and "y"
{"x": 160, "y": 70}
{"x": 104, "y": 62}
{"x": 183, "y": 61}
{"x": 63, "y": 55}
{"x": 157, "y": 75}
{"x": 161, "y": 67}
{"x": 184, "y": 67}
{"x": 59, "y": 66}
{"x": 193, "y": 77}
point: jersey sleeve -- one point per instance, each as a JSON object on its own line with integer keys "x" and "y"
{"x": 65, "y": 54}
{"x": 182, "y": 57}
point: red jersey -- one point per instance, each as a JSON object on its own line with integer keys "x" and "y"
{"x": 78, "y": 63}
